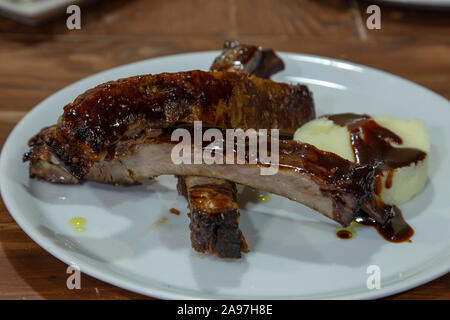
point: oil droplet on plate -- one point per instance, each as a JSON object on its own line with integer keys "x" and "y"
{"x": 264, "y": 198}
{"x": 77, "y": 224}
{"x": 157, "y": 223}
{"x": 79, "y": 229}
{"x": 355, "y": 224}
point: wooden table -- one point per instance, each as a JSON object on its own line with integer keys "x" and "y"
{"x": 37, "y": 61}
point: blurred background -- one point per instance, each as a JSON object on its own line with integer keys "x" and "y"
{"x": 40, "y": 55}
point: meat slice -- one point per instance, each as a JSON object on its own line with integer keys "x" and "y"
{"x": 323, "y": 181}
{"x": 102, "y": 116}
{"x": 214, "y": 216}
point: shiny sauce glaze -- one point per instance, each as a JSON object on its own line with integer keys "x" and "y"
{"x": 373, "y": 144}
{"x": 396, "y": 229}
{"x": 237, "y": 58}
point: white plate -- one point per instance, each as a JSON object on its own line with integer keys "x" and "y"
{"x": 294, "y": 251}
{"x": 422, "y": 3}
{"x": 34, "y": 11}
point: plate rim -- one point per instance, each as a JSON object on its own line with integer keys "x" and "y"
{"x": 412, "y": 281}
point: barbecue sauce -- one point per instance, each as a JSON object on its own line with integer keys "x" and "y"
{"x": 372, "y": 144}
{"x": 344, "y": 233}
{"x": 396, "y": 229}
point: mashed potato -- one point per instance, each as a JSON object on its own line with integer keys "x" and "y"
{"x": 406, "y": 182}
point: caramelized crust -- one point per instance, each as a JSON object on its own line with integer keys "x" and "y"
{"x": 214, "y": 216}
{"x": 100, "y": 117}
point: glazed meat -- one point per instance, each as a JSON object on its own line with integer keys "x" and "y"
{"x": 237, "y": 57}
{"x": 98, "y": 119}
{"x": 214, "y": 216}
{"x": 323, "y": 181}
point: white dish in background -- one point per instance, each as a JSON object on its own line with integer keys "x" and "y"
{"x": 34, "y": 11}
{"x": 294, "y": 252}
{"x": 419, "y": 3}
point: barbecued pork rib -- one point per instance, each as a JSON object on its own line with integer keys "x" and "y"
{"x": 215, "y": 229}
{"x": 102, "y": 116}
{"x": 321, "y": 180}
{"x": 214, "y": 215}
{"x": 237, "y": 57}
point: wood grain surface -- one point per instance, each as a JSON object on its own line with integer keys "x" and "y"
{"x": 37, "y": 61}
